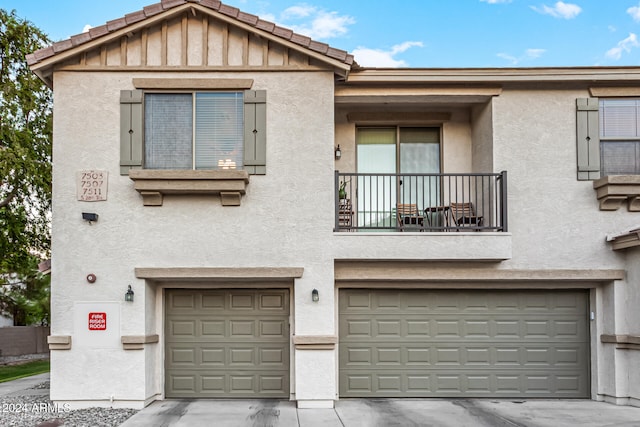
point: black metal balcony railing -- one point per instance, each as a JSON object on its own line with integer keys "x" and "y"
{"x": 421, "y": 202}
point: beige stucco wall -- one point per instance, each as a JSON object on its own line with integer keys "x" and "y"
{"x": 554, "y": 219}
{"x": 286, "y": 220}
{"x": 281, "y": 223}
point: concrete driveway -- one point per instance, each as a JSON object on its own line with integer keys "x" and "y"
{"x": 387, "y": 413}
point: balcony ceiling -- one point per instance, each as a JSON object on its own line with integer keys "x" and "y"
{"x": 414, "y": 96}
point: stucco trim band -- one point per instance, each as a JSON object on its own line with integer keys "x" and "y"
{"x": 315, "y": 342}
{"x": 216, "y": 273}
{"x": 415, "y": 272}
{"x": 59, "y": 342}
{"x": 192, "y": 84}
{"x": 137, "y": 342}
{"x": 623, "y": 342}
{"x": 364, "y": 117}
{"x": 609, "y": 92}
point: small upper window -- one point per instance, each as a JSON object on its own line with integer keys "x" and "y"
{"x": 199, "y": 130}
{"x": 620, "y": 136}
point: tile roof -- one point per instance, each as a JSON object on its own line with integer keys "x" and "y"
{"x": 164, "y": 5}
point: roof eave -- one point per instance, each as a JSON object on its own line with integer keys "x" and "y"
{"x": 43, "y": 67}
{"x": 494, "y": 75}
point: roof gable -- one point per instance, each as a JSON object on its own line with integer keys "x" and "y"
{"x": 189, "y": 33}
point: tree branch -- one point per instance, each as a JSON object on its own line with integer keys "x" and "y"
{"x": 4, "y": 202}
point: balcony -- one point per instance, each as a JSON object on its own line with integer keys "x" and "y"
{"x": 421, "y": 202}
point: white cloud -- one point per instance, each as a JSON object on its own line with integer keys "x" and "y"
{"x": 560, "y": 10}
{"x": 383, "y": 58}
{"x": 314, "y": 22}
{"x": 634, "y": 12}
{"x": 534, "y": 53}
{"x": 300, "y": 11}
{"x": 496, "y": 1}
{"x": 86, "y": 28}
{"x": 529, "y": 54}
{"x": 623, "y": 46}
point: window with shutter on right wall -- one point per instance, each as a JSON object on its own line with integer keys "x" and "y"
{"x": 619, "y": 122}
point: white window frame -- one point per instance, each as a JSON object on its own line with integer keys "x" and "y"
{"x": 612, "y": 132}
{"x": 223, "y": 164}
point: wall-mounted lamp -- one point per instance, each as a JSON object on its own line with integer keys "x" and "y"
{"x": 338, "y": 152}
{"x": 89, "y": 216}
{"x": 129, "y": 295}
{"x": 315, "y": 297}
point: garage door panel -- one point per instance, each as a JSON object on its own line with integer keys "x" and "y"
{"x": 212, "y": 357}
{"x": 273, "y": 328}
{"x": 242, "y": 328}
{"x": 461, "y": 384}
{"x": 213, "y": 301}
{"x": 183, "y": 301}
{"x": 183, "y": 383}
{"x": 184, "y": 328}
{"x": 417, "y": 328}
{"x": 183, "y": 356}
{"x": 513, "y": 344}
{"x": 385, "y": 328}
{"x": 237, "y": 344}
{"x": 212, "y": 328}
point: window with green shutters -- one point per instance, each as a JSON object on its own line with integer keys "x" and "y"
{"x": 608, "y": 137}
{"x": 193, "y": 130}
{"x": 619, "y": 136}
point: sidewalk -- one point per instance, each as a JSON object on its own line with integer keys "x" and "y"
{"x": 25, "y": 386}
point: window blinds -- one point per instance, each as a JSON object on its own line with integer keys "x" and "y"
{"x": 168, "y": 129}
{"x": 174, "y": 140}
{"x": 219, "y": 131}
{"x": 620, "y": 136}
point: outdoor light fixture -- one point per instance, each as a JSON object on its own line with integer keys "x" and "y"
{"x": 315, "y": 297}
{"x": 129, "y": 295}
{"x": 89, "y": 216}
{"x": 338, "y": 152}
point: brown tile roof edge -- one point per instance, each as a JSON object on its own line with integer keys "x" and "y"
{"x": 156, "y": 8}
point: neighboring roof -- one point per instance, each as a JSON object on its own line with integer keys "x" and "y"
{"x": 117, "y": 25}
{"x": 45, "y": 266}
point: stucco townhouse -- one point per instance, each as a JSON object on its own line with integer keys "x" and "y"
{"x": 242, "y": 212}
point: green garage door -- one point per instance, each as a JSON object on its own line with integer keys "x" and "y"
{"x": 227, "y": 343}
{"x": 464, "y": 343}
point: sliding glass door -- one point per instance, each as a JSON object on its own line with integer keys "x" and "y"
{"x": 384, "y": 152}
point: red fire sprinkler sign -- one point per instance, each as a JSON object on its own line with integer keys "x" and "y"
{"x": 97, "y": 321}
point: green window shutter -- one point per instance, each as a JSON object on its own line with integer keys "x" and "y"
{"x": 255, "y": 132}
{"x": 588, "y": 138}
{"x": 130, "y": 130}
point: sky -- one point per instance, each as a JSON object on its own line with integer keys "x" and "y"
{"x": 413, "y": 33}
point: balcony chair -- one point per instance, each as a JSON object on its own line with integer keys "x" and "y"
{"x": 464, "y": 216}
{"x": 345, "y": 214}
{"x": 408, "y": 217}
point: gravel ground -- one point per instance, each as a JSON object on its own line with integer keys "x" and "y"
{"x": 32, "y": 408}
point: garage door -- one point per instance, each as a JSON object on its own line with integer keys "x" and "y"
{"x": 463, "y": 343}
{"x": 227, "y": 343}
